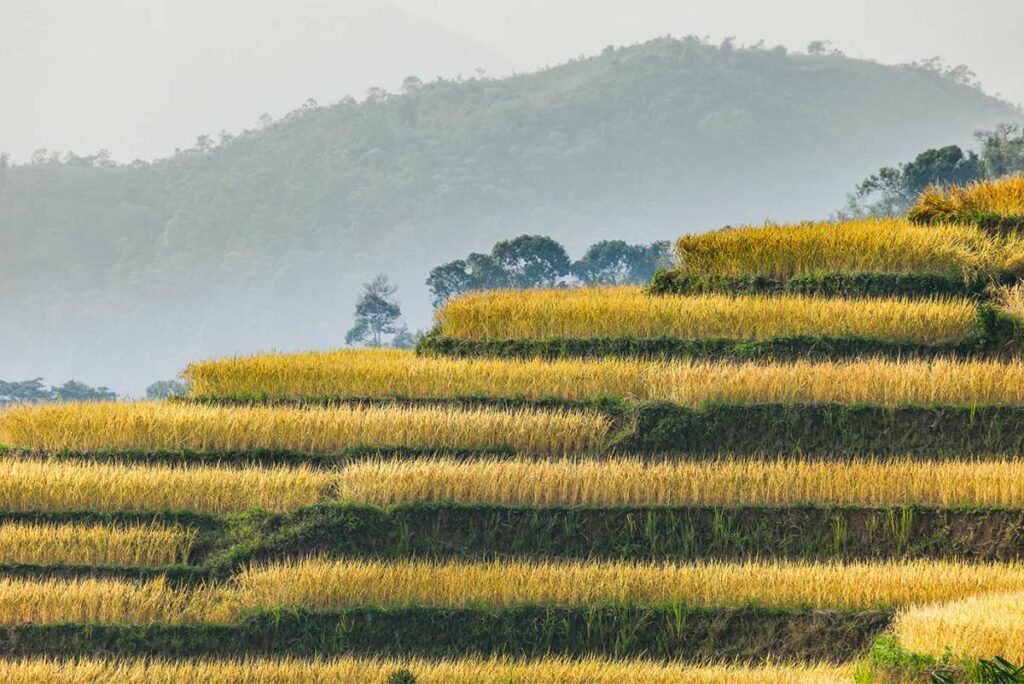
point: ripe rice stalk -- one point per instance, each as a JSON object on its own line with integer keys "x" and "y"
{"x": 108, "y": 601}
{"x": 873, "y": 245}
{"x": 150, "y": 545}
{"x": 51, "y": 485}
{"x": 152, "y": 426}
{"x": 469, "y": 670}
{"x": 1010, "y": 299}
{"x": 630, "y": 312}
{"x": 320, "y": 584}
{"x": 391, "y": 373}
{"x": 725, "y": 482}
{"x": 1004, "y": 197}
{"x": 975, "y": 627}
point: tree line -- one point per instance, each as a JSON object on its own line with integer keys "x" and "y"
{"x": 894, "y": 189}
{"x": 539, "y": 261}
{"x": 523, "y": 262}
{"x": 34, "y": 391}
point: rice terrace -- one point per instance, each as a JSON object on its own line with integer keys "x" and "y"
{"x": 794, "y": 457}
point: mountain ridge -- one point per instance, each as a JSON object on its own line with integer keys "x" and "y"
{"x": 119, "y": 274}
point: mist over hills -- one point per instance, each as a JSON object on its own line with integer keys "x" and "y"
{"x": 120, "y": 274}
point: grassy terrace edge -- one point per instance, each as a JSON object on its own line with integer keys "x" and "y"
{"x": 671, "y": 632}
{"x": 773, "y": 429}
{"x": 994, "y": 334}
{"x": 453, "y": 531}
{"x": 837, "y": 284}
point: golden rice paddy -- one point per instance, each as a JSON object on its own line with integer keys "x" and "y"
{"x": 470, "y": 670}
{"x": 725, "y": 482}
{"x": 630, "y": 312}
{"x": 44, "y": 601}
{"x": 1004, "y": 197}
{"x": 53, "y": 485}
{"x": 151, "y": 426}
{"x": 973, "y": 627}
{"x": 391, "y": 373}
{"x": 330, "y": 585}
{"x": 78, "y": 544}
{"x": 874, "y": 245}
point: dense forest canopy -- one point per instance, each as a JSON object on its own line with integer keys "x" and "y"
{"x": 120, "y": 274}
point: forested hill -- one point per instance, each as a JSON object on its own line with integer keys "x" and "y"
{"x": 116, "y": 275}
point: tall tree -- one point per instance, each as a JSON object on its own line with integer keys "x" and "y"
{"x": 165, "y": 389}
{"x": 531, "y": 260}
{"x": 377, "y": 314}
{"x": 1002, "y": 150}
{"x": 614, "y": 262}
{"x": 23, "y": 392}
{"x": 72, "y": 390}
{"x": 893, "y": 190}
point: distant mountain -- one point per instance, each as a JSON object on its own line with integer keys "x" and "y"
{"x": 170, "y": 70}
{"x": 118, "y": 275}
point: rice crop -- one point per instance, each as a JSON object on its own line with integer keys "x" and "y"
{"x": 470, "y": 670}
{"x": 630, "y": 312}
{"x": 874, "y": 245}
{"x": 331, "y": 585}
{"x": 106, "y": 600}
{"x": 53, "y": 485}
{"x": 975, "y": 627}
{"x": 152, "y": 426}
{"x": 78, "y": 544}
{"x": 1004, "y": 197}
{"x": 381, "y": 374}
{"x": 640, "y": 482}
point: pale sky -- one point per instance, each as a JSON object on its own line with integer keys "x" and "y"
{"x": 141, "y": 77}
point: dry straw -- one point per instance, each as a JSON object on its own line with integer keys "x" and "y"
{"x": 469, "y": 670}
{"x": 1004, "y": 197}
{"x": 629, "y": 312}
{"x": 50, "y": 485}
{"x": 876, "y": 245}
{"x": 373, "y": 373}
{"x": 636, "y": 482}
{"x": 76, "y": 544}
{"x": 151, "y": 426}
{"x": 331, "y": 585}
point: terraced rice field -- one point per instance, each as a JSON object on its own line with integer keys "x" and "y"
{"x": 1003, "y": 198}
{"x": 630, "y": 312}
{"x": 594, "y": 485}
{"x": 867, "y": 246}
{"x": 378, "y": 374}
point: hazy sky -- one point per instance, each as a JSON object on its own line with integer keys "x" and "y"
{"x": 141, "y": 77}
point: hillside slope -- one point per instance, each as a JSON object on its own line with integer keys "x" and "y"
{"x": 119, "y": 274}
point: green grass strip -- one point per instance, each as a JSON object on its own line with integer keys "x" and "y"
{"x": 674, "y": 632}
{"x": 852, "y": 284}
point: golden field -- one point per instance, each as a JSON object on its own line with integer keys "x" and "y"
{"x": 874, "y": 245}
{"x": 153, "y": 426}
{"x": 974, "y": 627}
{"x": 470, "y": 670}
{"x": 1004, "y": 197}
{"x": 77, "y": 544}
{"x": 393, "y": 373}
{"x": 325, "y": 585}
{"x": 25, "y": 601}
{"x": 53, "y": 485}
{"x": 629, "y": 312}
{"x": 725, "y": 482}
